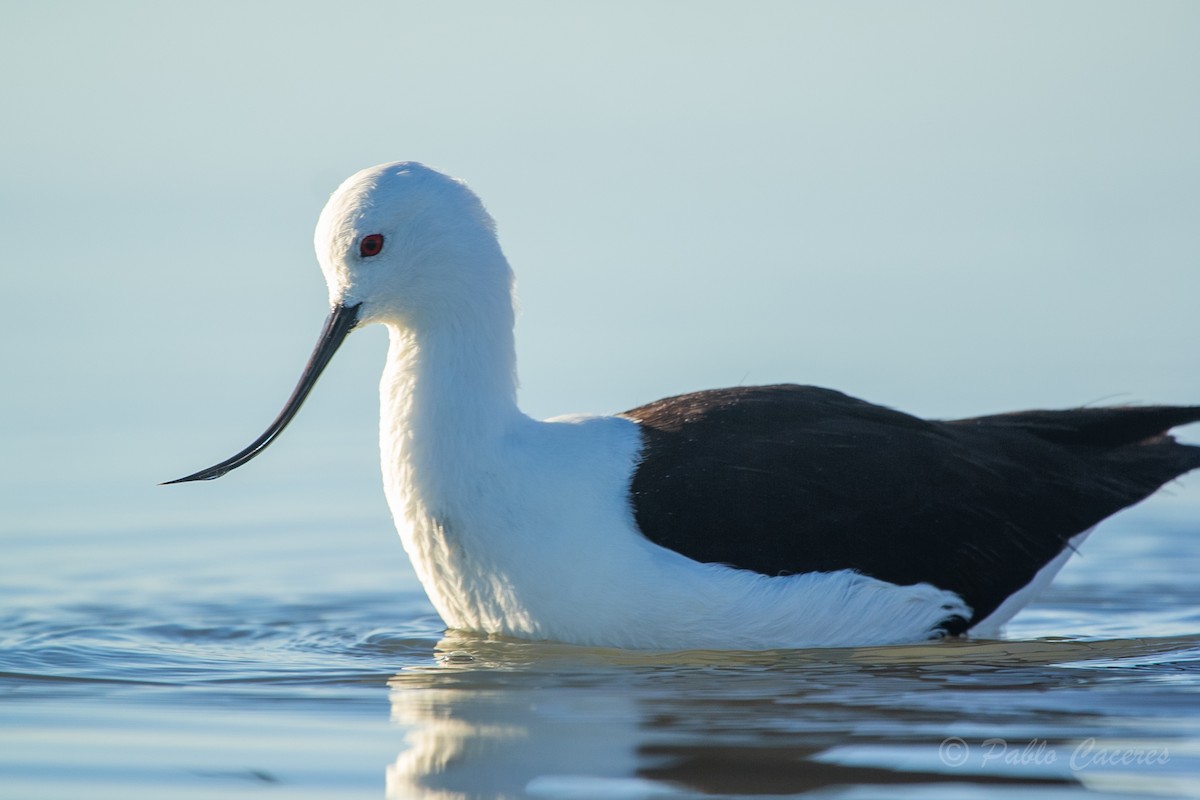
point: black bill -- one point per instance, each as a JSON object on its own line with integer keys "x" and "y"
{"x": 340, "y": 322}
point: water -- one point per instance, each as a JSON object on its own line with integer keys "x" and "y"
{"x": 302, "y": 660}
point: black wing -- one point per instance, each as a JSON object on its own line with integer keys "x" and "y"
{"x": 790, "y": 479}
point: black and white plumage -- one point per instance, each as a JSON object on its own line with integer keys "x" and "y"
{"x": 755, "y": 517}
{"x": 819, "y": 481}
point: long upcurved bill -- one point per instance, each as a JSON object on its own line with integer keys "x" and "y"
{"x": 340, "y": 322}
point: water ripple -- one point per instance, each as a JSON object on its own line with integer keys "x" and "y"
{"x": 230, "y": 643}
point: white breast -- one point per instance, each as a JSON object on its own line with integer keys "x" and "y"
{"x": 534, "y": 537}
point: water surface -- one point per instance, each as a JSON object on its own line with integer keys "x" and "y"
{"x": 285, "y": 662}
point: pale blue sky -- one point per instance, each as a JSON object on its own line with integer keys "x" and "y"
{"x": 950, "y": 208}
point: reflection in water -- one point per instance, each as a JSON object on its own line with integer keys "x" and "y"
{"x": 506, "y": 718}
{"x": 483, "y": 727}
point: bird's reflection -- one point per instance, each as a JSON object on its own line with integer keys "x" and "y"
{"x": 482, "y": 724}
{"x": 513, "y": 719}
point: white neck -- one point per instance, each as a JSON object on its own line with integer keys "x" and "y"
{"x": 448, "y": 399}
{"x": 447, "y": 394}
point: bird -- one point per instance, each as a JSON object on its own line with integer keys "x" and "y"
{"x": 744, "y": 518}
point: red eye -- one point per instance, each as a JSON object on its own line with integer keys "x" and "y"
{"x": 370, "y": 245}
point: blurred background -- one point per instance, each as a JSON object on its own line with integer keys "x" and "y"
{"x": 952, "y": 209}
{"x": 949, "y": 208}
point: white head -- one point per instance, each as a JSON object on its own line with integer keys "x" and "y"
{"x": 410, "y": 246}
{"x": 405, "y": 245}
